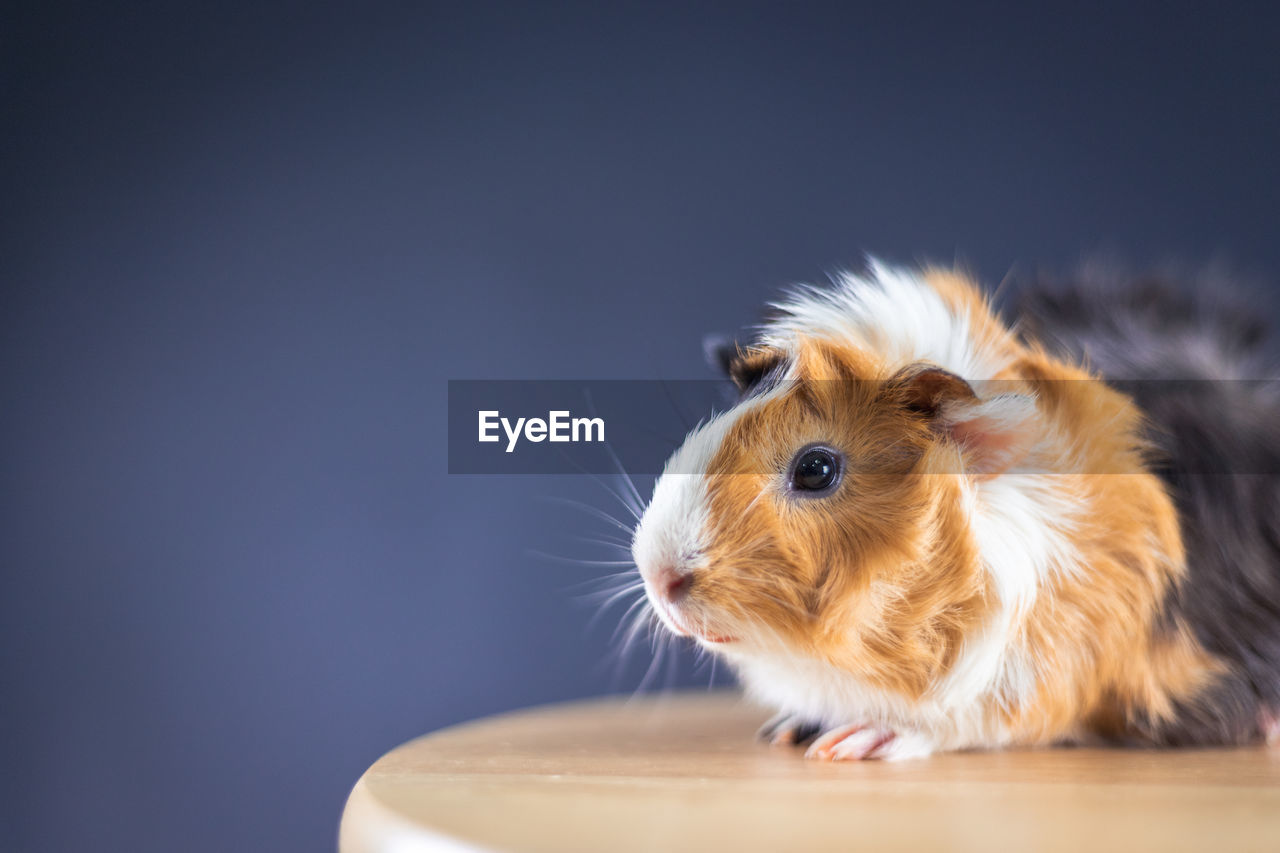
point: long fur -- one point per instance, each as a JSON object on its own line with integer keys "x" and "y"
{"x": 1035, "y": 558}
{"x": 1188, "y": 349}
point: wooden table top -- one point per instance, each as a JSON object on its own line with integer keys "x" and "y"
{"x": 683, "y": 772}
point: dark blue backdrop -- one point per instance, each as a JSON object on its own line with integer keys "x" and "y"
{"x": 245, "y": 245}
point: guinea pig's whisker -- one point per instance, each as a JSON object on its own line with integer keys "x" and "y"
{"x": 653, "y": 661}
{"x": 608, "y": 583}
{"x": 577, "y": 561}
{"x": 631, "y": 498}
{"x": 647, "y": 677}
{"x": 608, "y": 543}
{"x": 654, "y": 637}
{"x": 659, "y": 650}
{"x": 614, "y": 598}
{"x": 754, "y": 501}
{"x": 672, "y": 670}
{"x": 631, "y": 563}
{"x": 592, "y": 511}
{"x": 638, "y": 508}
{"x": 631, "y": 572}
{"x": 705, "y": 662}
{"x": 630, "y": 502}
{"x": 622, "y": 635}
{"x": 634, "y": 622}
{"x": 637, "y": 619}
{"x": 606, "y": 595}
{"x": 595, "y": 591}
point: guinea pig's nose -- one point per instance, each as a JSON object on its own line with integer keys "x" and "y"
{"x": 670, "y": 584}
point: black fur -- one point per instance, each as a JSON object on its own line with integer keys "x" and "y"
{"x": 720, "y": 352}
{"x": 1220, "y": 439}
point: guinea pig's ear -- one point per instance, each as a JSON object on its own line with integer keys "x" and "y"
{"x": 925, "y": 390}
{"x": 753, "y": 366}
{"x": 720, "y": 351}
{"x": 994, "y": 434}
{"x": 746, "y": 367}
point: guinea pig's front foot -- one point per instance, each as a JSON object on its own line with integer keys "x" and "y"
{"x": 860, "y": 741}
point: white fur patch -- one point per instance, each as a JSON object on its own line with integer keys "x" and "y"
{"x": 892, "y": 312}
{"x": 1020, "y": 523}
{"x": 813, "y": 690}
{"x": 675, "y": 528}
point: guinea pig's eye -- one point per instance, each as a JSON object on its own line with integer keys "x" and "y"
{"x": 815, "y": 470}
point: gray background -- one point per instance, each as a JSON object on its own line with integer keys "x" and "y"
{"x": 245, "y": 245}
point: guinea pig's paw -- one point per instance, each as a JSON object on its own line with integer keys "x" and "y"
{"x": 857, "y": 742}
{"x": 904, "y": 745}
{"x": 788, "y": 730}
{"x": 849, "y": 743}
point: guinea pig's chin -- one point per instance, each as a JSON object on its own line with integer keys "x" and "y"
{"x": 670, "y": 616}
{"x": 678, "y": 624}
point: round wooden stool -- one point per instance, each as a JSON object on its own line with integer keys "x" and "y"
{"x": 683, "y": 772}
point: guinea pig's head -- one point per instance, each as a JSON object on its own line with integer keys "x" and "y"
{"x": 824, "y": 514}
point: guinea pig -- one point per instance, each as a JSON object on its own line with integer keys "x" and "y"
{"x": 922, "y": 529}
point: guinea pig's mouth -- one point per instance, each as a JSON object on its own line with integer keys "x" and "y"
{"x": 679, "y": 625}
